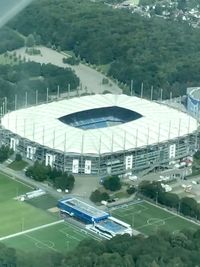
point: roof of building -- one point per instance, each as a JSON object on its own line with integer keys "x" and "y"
{"x": 84, "y": 208}
{"x": 41, "y": 124}
{"x": 194, "y": 92}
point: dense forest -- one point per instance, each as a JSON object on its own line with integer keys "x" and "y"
{"x": 154, "y": 51}
{"x": 29, "y": 77}
{"x": 181, "y": 249}
{"x": 10, "y": 40}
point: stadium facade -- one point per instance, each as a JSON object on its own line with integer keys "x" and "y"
{"x": 101, "y": 134}
{"x": 193, "y": 101}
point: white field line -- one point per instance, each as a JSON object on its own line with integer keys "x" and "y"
{"x": 31, "y": 230}
{"x": 81, "y": 230}
{"x": 126, "y": 205}
{"x": 156, "y": 222}
{"x": 174, "y": 213}
{"x": 69, "y": 235}
{"x": 37, "y": 241}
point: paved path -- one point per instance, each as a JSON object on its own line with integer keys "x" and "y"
{"x": 90, "y": 79}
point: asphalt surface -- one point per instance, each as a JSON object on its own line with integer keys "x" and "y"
{"x": 90, "y": 79}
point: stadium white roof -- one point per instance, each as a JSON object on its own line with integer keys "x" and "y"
{"x": 40, "y": 124}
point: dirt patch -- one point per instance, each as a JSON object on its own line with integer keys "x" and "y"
{"x": 54, "y": 209}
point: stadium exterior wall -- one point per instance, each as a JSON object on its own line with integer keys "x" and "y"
{"x": 193, "y": 101}
{"x": 160, "y": 154}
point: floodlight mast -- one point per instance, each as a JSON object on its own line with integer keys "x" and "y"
{"x": 141, "y": 93}
{"x": 15, "y": 101}
{"x": 36, "y": 97}
{"x": 26, "y": 99}
{"x": 47, "y": 99}
{"x": 68, "y": 88}
{"x": 131, "y": 87}
{"x": 151, "y": 92}
{"x": 58, "y": 92}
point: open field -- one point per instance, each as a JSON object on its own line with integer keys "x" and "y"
{"x": 33, "y": 217}
{"x": 147, "y": 218}
{"x": 7, "y": 60}
{"x": 59, "y": 237}
{"x": 18, "y": 165}
{"x": 16, "y": 215}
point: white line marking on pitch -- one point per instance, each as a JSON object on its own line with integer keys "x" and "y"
{"x": 41, "y": 242}
{"x": 30, "y": 230}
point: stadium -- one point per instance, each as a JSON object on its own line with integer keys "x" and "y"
{"x": 101, "y": 134}
{"x": 193, "y": 101}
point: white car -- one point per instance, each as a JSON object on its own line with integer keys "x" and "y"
{"x": 59, "y": 190}
{"x": 133, "y": 177}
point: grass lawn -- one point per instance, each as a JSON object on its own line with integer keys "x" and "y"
{"x": 121, "y": 194}
{"x": 148, "y": 218}
{"x": 105, "y": 68}
{"x": 16, "y": 215}
{"x": 44, "y": 202}
{"x": 18, "y": 165}
{"x": 6, "y": 60}
{"x": 59, "y": 237}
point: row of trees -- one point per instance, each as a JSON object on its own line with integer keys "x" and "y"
{"x": 60, "y": 180}
{"x": 159, "y": 250}
{"x": 136, "y": 48}
{"x": 186, "y": 205}
{"x": 31, "y": 76}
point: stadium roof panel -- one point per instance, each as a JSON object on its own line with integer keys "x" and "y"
{"x": 40, "y": 124}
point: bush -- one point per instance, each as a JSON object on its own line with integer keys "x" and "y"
{"x": 71, "y": 60}
{"x": 18, "y": 157}
{"x": 65, "y": 181}
{"x": 131, "y": 190}
{"x": 112, "y": 183}
{"x": 5, "y": 153}
{"x": 38, "y": 171}
{"x": 105, "y": 81}
{"x": 97, "y": 196}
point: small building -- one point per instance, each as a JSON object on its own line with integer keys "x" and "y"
{"x": 95, "y": 220}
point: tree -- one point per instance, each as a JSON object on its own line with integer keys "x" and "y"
{"x": 97, "y": 196}
{"x": 112, "y": 183}
{"x": 38, "y": 171}
{"x": 65, "y": 181}
{"x": 188, "y": 206}
{"x": 5, "y": 153}
{"x": 169, "y": 199}
{"x": 151, "y": 189}
{"x": 18, "y": 157}
{"x": 131, "y": 190}
{"x": 30, "y": 40}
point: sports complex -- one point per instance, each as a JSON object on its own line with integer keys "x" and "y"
{"x": 101, "y": 134}
{"x": 31, "y": 226}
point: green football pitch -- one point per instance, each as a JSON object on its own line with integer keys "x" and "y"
{"x": 60, "y": 237}
{"x": 147, "y": 218}
{"x": 16, "y": 215}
